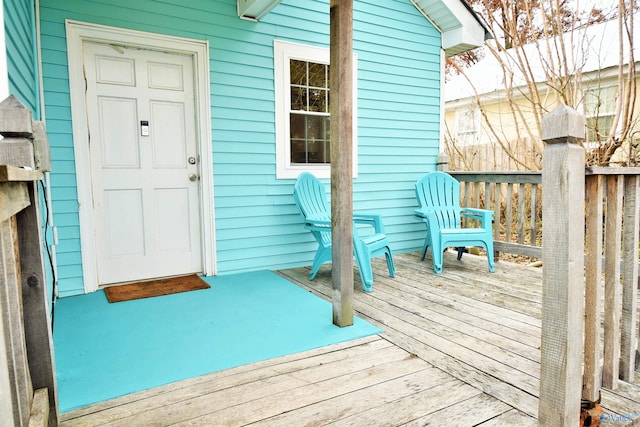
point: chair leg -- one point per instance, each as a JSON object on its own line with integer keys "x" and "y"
{"x": 318, "y": 260}
{"x": 424, "y": 249}
{"x": 461, "y": 250}
{"x": 363, "y": 261}
{"x": 366, "y": 274}
{"x": 390, "y": 264}
{"x": 314, "y": 271}
{"x": 490, "y": 259}
{"x": 436, "y": 254}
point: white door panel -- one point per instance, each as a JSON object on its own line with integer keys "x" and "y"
{"x": 146, "y": 207}
{"x": 124, "y": 221}
{"x": 167, "y": 131}
{"x": 118, "y": 118}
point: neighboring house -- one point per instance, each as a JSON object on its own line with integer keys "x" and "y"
{"x": 482, "y": 97}
{"x": 177, "y": 129}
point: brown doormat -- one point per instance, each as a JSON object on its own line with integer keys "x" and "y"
{"x": 155, "y": 288}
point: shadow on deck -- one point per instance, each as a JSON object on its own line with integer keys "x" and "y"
{"x": 458, "y": 349}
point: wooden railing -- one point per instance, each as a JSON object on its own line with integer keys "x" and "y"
{"x": 612, "y": 218}
{"x": 28, "y": 394}
{"x": 612, "y": 204}
{"x": 516, "y": 200}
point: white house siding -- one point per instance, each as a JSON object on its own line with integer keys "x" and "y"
{"x": 257, "y": 224}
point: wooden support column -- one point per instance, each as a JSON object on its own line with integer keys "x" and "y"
{"x": 341, "y": 104}
{"x": 563, "y": 182}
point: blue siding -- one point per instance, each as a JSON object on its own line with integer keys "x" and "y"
{"x": 21, "y": 47}
{"x": 257, "y": 224}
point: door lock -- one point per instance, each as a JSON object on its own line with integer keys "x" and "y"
{"x": 191, "y": 160}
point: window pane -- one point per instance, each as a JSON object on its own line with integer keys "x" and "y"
{"x": 327, "y": 128}
{"x": 298, "y": 72}
{"x": 598, "y": 128}
{"x": 298, "y": 138}
{"x": 298, "y": 126}
{"x": 315, "y": 127}
{"x": 309, "y": 139}
{"x": 318, "y": 100}
{"x": 318, "y": 75}
{"x": 600, "y": 101}
{"x": 299, "y": 98}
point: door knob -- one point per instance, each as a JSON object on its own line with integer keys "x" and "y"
{"x": 193, "y": 177}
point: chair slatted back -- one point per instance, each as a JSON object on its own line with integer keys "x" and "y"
{"x": 440, "y": 193}
{"x": 311, "y": 199}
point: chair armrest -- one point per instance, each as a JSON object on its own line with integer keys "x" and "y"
{"x": 485, "y": 216}
{"x": 420, "y": 213}
{"x": 374, "y": 220}
{"x": 317, "y": 224}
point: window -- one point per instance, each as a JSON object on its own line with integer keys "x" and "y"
{"x": 309, "y": 112}
{"x": 302, "y": 110}
{"x": 467, "y": 130}
{"x": 599, "y": 110}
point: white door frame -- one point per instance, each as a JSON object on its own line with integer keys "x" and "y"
{"x": 77, "y": 33}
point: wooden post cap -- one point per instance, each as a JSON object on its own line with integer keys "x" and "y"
{"x": 15, "y": 118}
{"x": 563, "y": 124}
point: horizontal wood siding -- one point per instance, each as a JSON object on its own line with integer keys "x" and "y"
{"x": 398, "y": 113}
{"x": 257, "y": 224}
{"x": 21, "y": 62}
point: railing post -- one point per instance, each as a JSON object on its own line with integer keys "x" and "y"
{"x": 563, "y": 181}
{"x": 442, "y": 162}
{"x": 24, "y": 298}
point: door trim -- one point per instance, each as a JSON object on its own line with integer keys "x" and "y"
{"x": 77, "y": 33}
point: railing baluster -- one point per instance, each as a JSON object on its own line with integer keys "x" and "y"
{"x": 629, "y": 278}
{"x": 593, "y": 283}
{"x": 508, "y": 214}
{"x": 612, "y": 291}
{"x": 534, "y": 212}
{"x": 521, "y": 213}
{"x": 488, "y": 195}
{"x": 467, "y": 198}
{"x": 497, "y": 213}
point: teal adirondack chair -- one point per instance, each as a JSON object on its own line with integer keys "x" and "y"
{"x": 310, "y": 197}
{"x": 438, "y": 196}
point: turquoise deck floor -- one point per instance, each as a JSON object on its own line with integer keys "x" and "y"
{"x": 105, "y": 350}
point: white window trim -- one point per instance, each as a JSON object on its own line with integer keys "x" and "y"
{"x": 283, "y": 52}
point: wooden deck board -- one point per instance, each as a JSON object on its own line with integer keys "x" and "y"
{"x": 478, "y": 410}
{"x": 460, "y": 349}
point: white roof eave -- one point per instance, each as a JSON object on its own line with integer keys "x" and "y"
{"x": 254, "y": 10}
{"x": 460, "y": 26}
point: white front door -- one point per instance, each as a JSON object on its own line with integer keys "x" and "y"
{"x": 144, "y": 162}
